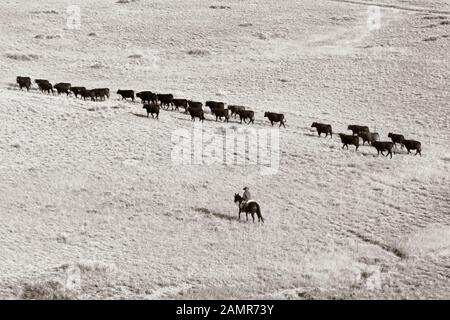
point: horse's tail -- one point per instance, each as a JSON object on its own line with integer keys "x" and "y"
{"x": 258, "y": 212}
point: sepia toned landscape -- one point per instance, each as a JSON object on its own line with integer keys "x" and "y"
{"x": 95, "y": 202}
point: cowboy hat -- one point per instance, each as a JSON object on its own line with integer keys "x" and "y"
{"x": 245, "y": 188}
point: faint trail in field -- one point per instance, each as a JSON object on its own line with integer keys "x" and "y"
{"x": 379, "y": 244}
{"x": 393, "y": 6}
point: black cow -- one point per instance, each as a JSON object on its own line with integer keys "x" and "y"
{"x": 234, "y": 109}
{"x": 194, "y": 104}
{"x": 77, "y": 90}
{"x": 147, "y": 96}
{"x": 413, "y": 145}
{"x": 37, "y": 81}
{"x": 166, "y": 100}
{"x": 100, "y": 93}
{"x": 196, "y": 113}
{"x": 45, "y": 87}
{"x": 358, "y": 129}
{"x": 218, "y": 109}
{"x": 396, "y": 138}
{"x": 152, "y": 108}
{"x": 369, "y": 137}
{"x": 180, "y": 103}
{"x": 382, "y": 146}
{"x": 87, "y": 94}
{"x": 126, "y": 94}
{"x": 24, "y": 82}
{"x": 347, "y": 139}
{"x": 41, "y": 81}
{"x": 222, "y": 113}
{"x": 275, "y": 117}
{"x": 246, "y": 114}
{"x": 323, "y": 128}
{"x": 215, "y": 105}
{"x": 62, "y": 87}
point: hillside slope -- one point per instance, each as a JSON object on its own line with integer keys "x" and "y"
{"x": 92, "y": 196}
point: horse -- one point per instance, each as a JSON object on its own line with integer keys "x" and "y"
{"x": 251, "y": 207}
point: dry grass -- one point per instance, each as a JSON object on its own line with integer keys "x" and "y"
{"x": 22, "y": 56}
{"x": 198, "y": 52}
{"x": 47, "y": 290}
{"x": 431, "y": 241}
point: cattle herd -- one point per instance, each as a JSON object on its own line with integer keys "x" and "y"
{"x": 372, "y": 138}
{"x": 153, "y": 101}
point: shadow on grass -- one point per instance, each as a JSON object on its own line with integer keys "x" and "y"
{"x": 140, "y": 115}
{"x": 220, "y": 215}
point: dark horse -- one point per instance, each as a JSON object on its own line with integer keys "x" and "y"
{"x": 251, "y": 208}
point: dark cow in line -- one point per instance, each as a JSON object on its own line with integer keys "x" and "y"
{"x": 323, "y": 128}
{"x": 196, "y": 113}
{"x": 215, "y": 105}
{"x": 195, "y": 104}
{"x": 100, "y": 93}
{"x": 63, "y": 87}
{"x": 347, "y": 139}
{"x": 369, "y": 137}
{"x": 147, "y": 96}
{"x": 180, "y": 103}
{"x": 275, "y": 117}
{"x": 396, "y": 138}
{"x": 165, "y": 100}
{"x": 218, "y": 109}
{"x": 125, "y": 94}
{"x": 45, "y": 87}
{"x": 358, "y": 129}
{"x": 152, "y": 108}
{"x": 413, "y": 145}
{"x": 77, "y": 90}
{"x": 37, "y": 81}
{"x": 85, "y": 94}
{"x": 234, "y": 109}
{"x": 383, "y": 146}
{"x": 219, "y": 113}
{"x": 247, "y": 114}
{"x": 24, "y": 82}
{"x": 42, "y": 83}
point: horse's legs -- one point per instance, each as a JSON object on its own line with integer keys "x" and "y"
{"x": 246, "y": 216}
{"x": 253, "y": 217}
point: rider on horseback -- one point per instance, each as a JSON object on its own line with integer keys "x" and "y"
{"x": 248, "y": 205}
{"x": 246, "y": 197}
